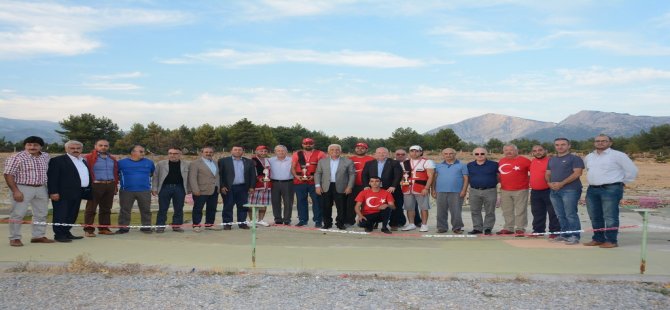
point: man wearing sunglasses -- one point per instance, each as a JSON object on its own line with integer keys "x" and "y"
{"x": 484, "y": 179}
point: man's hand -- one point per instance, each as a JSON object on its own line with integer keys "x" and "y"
{"x": 318, "y": 190}
{"x": 54, "y": 197}
{"x": 347, "y": 191}
{"x": 391, "y": 190}
{"x": 424, "y": 192}
{"x": 17, "y": 195}
{"x": 154, "y": 193}
{"x": 360, "y": 218}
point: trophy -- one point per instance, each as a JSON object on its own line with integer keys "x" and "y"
{"x": 266, "y": 175}
{"x": 304, "y": 176}
{"x": 405, "y": 179}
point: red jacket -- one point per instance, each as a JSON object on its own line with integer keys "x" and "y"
{"x": 92, "y": 157}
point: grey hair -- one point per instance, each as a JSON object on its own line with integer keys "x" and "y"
{"x": 280, "y": 146}
{"x": 336, "y": 146}
{"x": 75, "y": 142}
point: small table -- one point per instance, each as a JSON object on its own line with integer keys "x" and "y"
{"x": 254, "y": 216}
{"x": 645, "y": 221}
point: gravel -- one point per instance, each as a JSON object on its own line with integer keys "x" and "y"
{"x": 27, "y": 290}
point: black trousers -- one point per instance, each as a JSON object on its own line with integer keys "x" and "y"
{"x": 340, "y": 200}
{"x": 350, "y": 215}
{"x": 65, "y": 211}
{"x": 374, "y": 218}
{"x": 540, "y": 207}
{"x": 397, "y": 218}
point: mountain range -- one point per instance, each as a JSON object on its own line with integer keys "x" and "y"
{"x": 16, "y": 130}
{"x": 580, "y": 126}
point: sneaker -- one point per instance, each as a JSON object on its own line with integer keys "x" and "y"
{"x": 572, "y": 240}
{"x": 424, "y": 228}
{"x": 160, "y": 230}
{"x": 558, "y": 239}
{"x": 263, "y": 223}
{"x": 197, "y": 229}
{"x": 409, "y": 227}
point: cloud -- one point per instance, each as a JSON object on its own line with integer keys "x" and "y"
{"x": 601, "y": 76}
{"x": 33, "y": 28}
{"x": 622, "y": 43}
{"x": 116, "y": 76}
{"x": 111, "y": 86}
{"x": 478, "y": 42}
{"x": 234, "y": 58}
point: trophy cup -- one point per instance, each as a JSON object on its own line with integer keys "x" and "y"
{"x": 304, "y": 176}
{"x": 405, "y": 179}
{"x": 266, "y": 175}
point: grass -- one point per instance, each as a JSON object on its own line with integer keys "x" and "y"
{"x": 83, "y": 264}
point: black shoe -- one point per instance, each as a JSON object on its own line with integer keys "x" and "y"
{"x": 318, "y": 225}
{"x": 279, "y": 222}
{"x": 487, "y": 232}
{"x": 340, "y": 227}
{"x": 122, "y": 231}
{"x": 300, "y": 224}
{"x": 146, "y": 230}
{"x": 386, "y": 230}
{"x": 73, "y": 237}
{"x": 475, "y": 232}
{"x": 287, "y": 223}
{"x": 441, "y": 231}
{"x": 63, "y": 239}
{"x": 244, "y": 226}
{"x": 327, "y": 226}
{"x": 368, "y": 229}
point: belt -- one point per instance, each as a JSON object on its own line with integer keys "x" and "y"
{"x": 605, "y": 185}
{"x": 482, "y": 188}
{"x": 104, "y": 182}
{"x": 32, "y": 185}
{"x": 281, "y": 181}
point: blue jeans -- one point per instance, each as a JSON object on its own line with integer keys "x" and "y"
{"x": 565, "y": 206}
{"x": 238, "y": 195}
{"x": 603, "y": 206}
{"x": 301, "y": 193}
{"x": 176, "y": 193}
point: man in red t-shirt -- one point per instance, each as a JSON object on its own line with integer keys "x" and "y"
{"x": 359, "y": 158}
{"x": 376, "y": 206}
{"x": 540, "y": 204}
{"x": 514, "y": 191}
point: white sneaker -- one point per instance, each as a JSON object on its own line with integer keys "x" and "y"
{"x": 197, "y": 229}
{"x": 263, "y": 223}
{"x": 424, "y": 228}
{"x": 409, "y": 227}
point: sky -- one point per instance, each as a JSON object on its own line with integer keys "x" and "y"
{"x": 345, "y": 67}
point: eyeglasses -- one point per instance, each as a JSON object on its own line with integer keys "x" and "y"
{"x": 174, "y": 153}
{"x": 480, "y": 154}
{"x": 400, "y": 154}
{"x": 602, "y": 141}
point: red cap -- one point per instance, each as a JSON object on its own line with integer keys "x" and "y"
{"x": 362, "y": 144}
{"x": 308, "y": 141}
{"x": 261, "y": 147}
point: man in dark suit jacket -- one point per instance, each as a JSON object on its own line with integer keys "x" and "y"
{"x": 238, "y": 180}
{"x": 68, "y": 177}
{"x": 390, "y": 176}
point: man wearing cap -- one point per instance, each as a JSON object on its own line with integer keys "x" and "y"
{"x": 263, "y": 188}
{"x": 26, "y": 176}
{"x": 389, "y": 173}
{"x": 305, "y": 162}
{"x": 282, "y": 185}
{"x": 104, "y": 170}
{"x": 359, "y": 158}
{"x": 608, "y": 172}
{"x": 416, "y": 182}
{"x": 238, "y": 180}
{"x": 334, "y": 178}
{"x": 484, "y": 178}
{"x": 375, "y": 203}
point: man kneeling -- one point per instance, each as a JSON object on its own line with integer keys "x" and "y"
{"x": 376, "y": 206}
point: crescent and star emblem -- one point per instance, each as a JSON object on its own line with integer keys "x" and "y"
{"x": 370, "y": 203}
{"x": 502, "y": 171}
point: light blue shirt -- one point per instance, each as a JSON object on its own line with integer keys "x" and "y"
{"x": 210, "y": 164}
{"x": 281, "y": 169}
{"x": 449, "y": 178}
{"x": 238, "y": 165}
{"x": 334, "y": 163}
{"x": 103, "y": 169}
{"x": 380, "y": 167}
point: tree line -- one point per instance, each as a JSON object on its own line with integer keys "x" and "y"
{"x": 88, "y": 128}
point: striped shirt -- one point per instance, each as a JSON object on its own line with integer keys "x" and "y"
{"x": 28, "y": 169}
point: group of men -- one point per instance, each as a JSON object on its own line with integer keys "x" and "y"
{"x": 366, "y": 190}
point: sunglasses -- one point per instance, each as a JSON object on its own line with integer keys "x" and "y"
{"x": 480, "y": 154}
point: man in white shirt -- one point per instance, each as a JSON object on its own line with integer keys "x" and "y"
{"x": 608, "y": 171}
{"x": 282, "y": 185}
